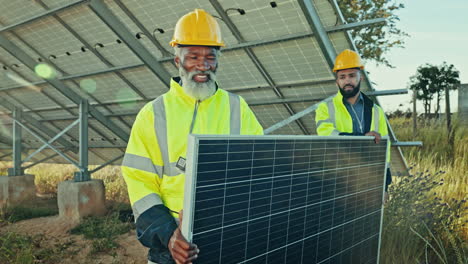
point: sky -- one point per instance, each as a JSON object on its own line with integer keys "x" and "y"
{"x": 438, "y": 32}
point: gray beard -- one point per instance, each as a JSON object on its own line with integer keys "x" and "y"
{"x": 196, "y": 90}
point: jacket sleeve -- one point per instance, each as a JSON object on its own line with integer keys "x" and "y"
{"x": 325, "y": 125}
{"x": 142, "y": 171}
{"x": 249, "y": 123}
{"x": 383, "y": 131}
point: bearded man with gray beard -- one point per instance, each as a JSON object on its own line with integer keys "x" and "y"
{"x": 158, "y": 141}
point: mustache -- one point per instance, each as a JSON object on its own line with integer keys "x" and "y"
{"x": 211, "y": 74}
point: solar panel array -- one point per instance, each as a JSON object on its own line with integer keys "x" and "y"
{"x": 275, "y": 55}
{"x": 284, "y": 199}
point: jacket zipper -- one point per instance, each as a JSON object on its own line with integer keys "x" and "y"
{"x": 194, "y": 116}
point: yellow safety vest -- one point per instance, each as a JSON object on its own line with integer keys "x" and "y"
{"x": 333, "y": 118}
{"x": 159, "y": 137}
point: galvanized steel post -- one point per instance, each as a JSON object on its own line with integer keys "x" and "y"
{"x": 17, "y": 133}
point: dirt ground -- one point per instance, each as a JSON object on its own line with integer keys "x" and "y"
{"x": 53, "y": 233}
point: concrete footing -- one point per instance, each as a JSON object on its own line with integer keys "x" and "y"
{"x": 80, "y": 199}
{"x": 16, "y": 189}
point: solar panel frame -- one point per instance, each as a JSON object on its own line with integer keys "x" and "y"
{"x": 190, "y": 186}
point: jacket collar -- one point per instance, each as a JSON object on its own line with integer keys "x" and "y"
{"x": 178, "y": 91}
{"x": 367, "y": 100}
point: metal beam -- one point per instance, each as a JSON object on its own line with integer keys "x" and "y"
{"x": 148, "y": 34}
{"x": 249, "y": 102}
{"x": 122, "y": 31}
{"x": 304, "y": 99}
{"x": 315, "y": 106}
{"x": 227, "y": 20}
{"x": 242, "y": 45}
{"x": 407, "y": 144}
{"x": 92, "y": 49}
{"x": 89, "y": 147}
{"x": 39, "y": 16}
{"x": 59, "y": 103}
{"x": 35, "y": 123}
{"x": 296, "y": 116}
{"x": 317, "y": 27}
{"x": 17, "y": 134}
{"x": 107, "y": 163}
{"x": 43, "y": 140}
{"x": 83, "y": 174}
{"x": 42, "y": 160}
{"x": 51, "y": 141}
{"x": 66, "y": 91}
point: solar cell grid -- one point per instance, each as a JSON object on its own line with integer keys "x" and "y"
{"x": 284, "y": 199}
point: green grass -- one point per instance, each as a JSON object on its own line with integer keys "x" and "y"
{"x": 18, "y": 213}
{"x": 102, "y": 231}
{"x": 23, "y": 249}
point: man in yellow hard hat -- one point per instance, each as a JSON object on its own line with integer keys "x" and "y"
{"x": 152, "y": 166}
{"x": 351, "y": 112}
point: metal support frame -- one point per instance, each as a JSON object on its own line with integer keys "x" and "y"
{"x": 227, "y": 20}
{"x": 39, "y": 16}
{"x": 242, "y": 45}
{"x": 317, "y": 27}
{"x": 407, "y": 144}
{"x": 83, "y": 174}
{"x": 51, "y": 141}
{"x": 107, "y": 163}
{"x": 63, "y": 73}
{"x": 315, "y": 99}
{"x": 44, "y": 141}
{"x": 249, "y": 102}
{"x": 145, "y": 31}
{"x": 296, "y": 116}
{"x": 106, "y": 15}
{"x": 65, "y": 90}
{"x": 17, "y": 134}
{"x": 6, "y": 155}
{"x": 93, "y": 50}
{"x": 35, "y": 123}
{"x": 366, "y": 77}
{"x": 42, "y": 160}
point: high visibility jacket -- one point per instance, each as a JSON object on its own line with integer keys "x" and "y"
{"x": 332, "y": 119}
{"x": 159, "y": 137}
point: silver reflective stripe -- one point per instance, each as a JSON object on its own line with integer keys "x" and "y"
{"x": 160, "y": 126}
{"x": 331, "y": 112}
{"x": 332, "y": 118}
{"x": 141, "y": 163}
{"x": 171, "y": 169}
{"x": 328, "y": 120}
{"x": 235, "y": 119}
{"x": 145, "y": 203}
{"x": 376, "y": 118}
{"x": 335, "y": 133}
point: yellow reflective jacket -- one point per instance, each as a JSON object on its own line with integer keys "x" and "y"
{"x": 333, "y": 119}
{"x": 159, "y": 137}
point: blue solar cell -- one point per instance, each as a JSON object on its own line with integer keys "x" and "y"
{"x": 285, "y": 200}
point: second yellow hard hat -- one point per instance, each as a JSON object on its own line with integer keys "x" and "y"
{"x": 197, "y": 28}
{"x": 346, "y": 60}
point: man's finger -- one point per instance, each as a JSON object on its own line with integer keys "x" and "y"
{"x": 183, "y": 244}
{"x": 181, "y": 213}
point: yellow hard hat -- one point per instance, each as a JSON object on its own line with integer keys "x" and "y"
{"x": 347, "y": 59}
{"x": 197, "y": 28}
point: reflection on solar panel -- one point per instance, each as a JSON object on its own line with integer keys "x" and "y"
{"x": 284, "y": 199}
